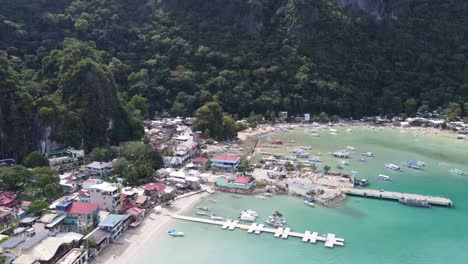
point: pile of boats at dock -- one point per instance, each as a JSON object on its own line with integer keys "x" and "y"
{"x": 203, "y": 211}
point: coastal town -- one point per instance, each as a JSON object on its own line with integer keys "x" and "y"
{"x": 97, "y": 207}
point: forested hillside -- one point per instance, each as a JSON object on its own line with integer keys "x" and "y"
{"x": 85, "y": 73}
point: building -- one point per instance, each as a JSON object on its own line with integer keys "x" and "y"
{"x": 81, "y": 216}
{"x": 6, "y": 163}
{"x": 106, "y": 196}
{"x": 100, "y": 169}
{"x": 75, "y": 256}
{"x": 49, "y": 249}
{"x": 51, "y": 222}
{"x": 72, "y": 181}
{"x": 101, "y": 237}
{"x": 113, "y": 224}
{"x": 225, "y": 161}
{"x": 240, "y": 182}
{"x": 65, "y": 159}
{"x": 6, "y": 215}
{"x": 8, "y": 199}
{"x": 154, "y": 190}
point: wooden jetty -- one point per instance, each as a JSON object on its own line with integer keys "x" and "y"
{"x": 330, "y": 240}
{"x": 441, "y": 201}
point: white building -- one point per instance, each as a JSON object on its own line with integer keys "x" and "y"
{"x": 99, "y": 168}
{"x": 106, "y": 195}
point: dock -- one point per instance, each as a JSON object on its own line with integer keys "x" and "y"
{"x": 330, "y": 240}
{"x": 433, "y": 200}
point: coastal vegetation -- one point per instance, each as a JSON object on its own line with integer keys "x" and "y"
{"x": 86, "y": 73}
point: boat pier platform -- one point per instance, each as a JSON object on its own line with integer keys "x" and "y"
{"x": 330, "y": 240}
{"x": 380, "y": 194}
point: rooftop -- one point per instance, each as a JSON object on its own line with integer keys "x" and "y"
{"x": 99, "y": 165}
{"x": 155, "y": 186}
{"x": 111, "y": 220}
{"x": 82, "y": 208}
{"x": 226, "y": 157}
{"x": 242, "y": 180}
{"x": 200, "y": 160}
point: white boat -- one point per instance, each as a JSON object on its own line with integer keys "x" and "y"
{"x": 206, "y": 209}
{"x": 384, "y": 177}
{"x": 457, "y": 172}
{"x": 215, "y": 217}
{"x": 250, "y": 212}
{"x": 349, "y": 148}
{"x": 202, "y": 213}
{"x": 174, "y": 233}
{"x": 333, "y": 133}
{"x": 421, "y": 163}
{"x": 460, "y": 136}
{"x": 392, "y": 167}
{"x": 368, "y": 154}
{"x": 349, "y": 130}
{"x": 309, "y": 203}
{"x": 314, "y": 134}
{"x": 344, "y": 162}
{"x": 315, "y": 159}
{"x": 268, "y": 195}
{"x": 211, "y": 200}
{"x": 260, "y": 197}
{"x": 247, "y": 217}
{"x": 333, "y": 130}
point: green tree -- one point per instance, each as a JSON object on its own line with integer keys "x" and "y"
{"x": 47, "y": 181}
{"x": 323, "y": 117}
{"x": 288, "y": 166}
{"x": 37, "y": 207}
{"x": 168, "y": 197}
{"x": 326, "y": 168}
{"x": 138, "y": 173}
{"x": 101, "y": 154}
{"x": 15, "y": 178}
{"x": 35, "y": 159}
{"x": 411, "y": 106}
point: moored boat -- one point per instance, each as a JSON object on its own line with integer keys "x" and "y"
{"x": 202, "y": 213}
{"x": 457, "y": 172}
{"x": 236, "y": 196}
{"x": 173, "y": 232}
{"x": 412, "y": 164}
{"x": 363, "y": 182}
{"x": 368, "y": 154}
{"x": 260, "y": 197}
{"x": 384, "y": 177}
{"x": 215, "y": 217}
{"x": 392, "y": 167}
{"x": 309, "y": 203}
{"x": 414, "y": 202}
{"x": 203, "y": 208}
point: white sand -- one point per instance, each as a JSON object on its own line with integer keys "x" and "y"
{"x": 133, "y": 239}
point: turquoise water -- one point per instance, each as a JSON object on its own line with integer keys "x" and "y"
{"x": 375, "y": 231}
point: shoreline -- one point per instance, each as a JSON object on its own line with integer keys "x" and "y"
{"x": 133, "y": 240}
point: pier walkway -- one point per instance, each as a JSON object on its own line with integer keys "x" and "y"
{"x": 397, "y": 195}
{"x": 330, "y": 240}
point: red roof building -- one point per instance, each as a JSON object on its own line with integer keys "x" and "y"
{"x": 154, "y": 187}
{"x": 8, "y": 199}
{"x": 82, "y": 208}
{"x": 242, "y": 180}
{"x": 200, "y": 160}
{"x": 225, "y": 161}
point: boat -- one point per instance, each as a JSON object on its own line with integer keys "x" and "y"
{"x": 349, "y": 148}
{"x": 247, "y": 217}
{"x": 421, "y": 163}
{"x": 309, "y": 203}
{"x": 274, "y": 223}
{"x": 368, "y": 154}
{"x": 414, "y": 202}
{"x": 460, "y": 136}
{"x": 236, "y": 196}
{"x": 260, "y": 197}
{"x": 384, "y": 177}
{"x": 173, "y": 232}
{"x": 392, "y": 167}
{"x": 211, "y": 200}
{"x": 249, "y": 212}
{"x": 412, "y": 164}
{"x": 457, "y": 172}
{"x": 333, "y": 130}
{"x": 314, "y": 134}
{"x": 215, "y": 217}
{"x": 362, "y": 160}
{"x": 344, "y": 162}
{"x": 363, "y": 182}
{"x": 268, "y": 195}
{"x": 201, "y": 208}
{"x": 333, "y": 133}
{"x": 315, "y": 159}
{"x": 202, "y": 213}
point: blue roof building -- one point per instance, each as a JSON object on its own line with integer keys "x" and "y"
{"x": 113, "y": 224}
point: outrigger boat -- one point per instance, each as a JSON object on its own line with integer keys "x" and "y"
{"x": 173, "y": 232}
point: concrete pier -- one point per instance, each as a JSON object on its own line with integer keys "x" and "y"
{"x": 441, "y": 201}
{"x": 330, "y": 240}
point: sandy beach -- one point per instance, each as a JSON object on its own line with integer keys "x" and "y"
{"x": 154, "y": 225}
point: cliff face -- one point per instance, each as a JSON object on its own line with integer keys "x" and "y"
{"x": 377, "y": 8}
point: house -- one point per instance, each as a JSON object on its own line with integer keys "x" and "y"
{"x": 186, "y": 150}
{"x": 106, "y": 196}
{"x": 71, "y": 181}
{"x": 6, "y": 215}
{"x": 28, "y": 222}
{"x": 65, "y": 159}
{"x": 200, "y": 161}
{"x": 239, "y": 182}
{"x": 162, "y": 173}
{"x": 193, "y": 182}
{"x": 6, "y": 163}
{"x": 81, "y": 216}
{"x": 225, "y": 161}
{"x": 113, "y": 224}
{"x": 75, "y": 256}
{"x": 144, "y": 201}
{"x": 51, "y": 222}
{"x": 8, "y": 199}
{"x": 99, "y": 169}
{"x": 154, "y": 190}
{"x": 101, "y": 238}
{"x": 84, "y": 196}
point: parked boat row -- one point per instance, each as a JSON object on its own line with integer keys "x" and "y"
{"x": 276, "y": 220}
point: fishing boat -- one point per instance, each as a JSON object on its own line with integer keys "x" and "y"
{"x": 333, "y": 130}
{"x": 414, "y": 202}
{"x": 421, "y": 163}
{"x": 173, "y": 232}
{"x": 249, "y": 212}
{"x": 315, "y": 159}
{"x": 215, "y": 217}
{"x": 384, "y": 177}
{"x": 412, "y": 164}
{"x": 260, "y": 197}
{"x": 349, "y": 148}
{"x": 247, "y": 217}
{"x": 202, "y": 208}
{"x": 309, "y": 203}
{"x": 344, "y": 162}
{"x": 363, "y": 182}
{"x": 274, "y": 223}
{"x": 211, "y": 200}
{"x": 236, "y": 196}
{"x": 392, "y": 167}
{"x": 314, "y": 134}
{"x": 457, "y": 172}
{"x": 268, "y": 195}
{"x": 202, "y": 213}
{"x": 460, "y": 136}
{"x": 368, "y": 154}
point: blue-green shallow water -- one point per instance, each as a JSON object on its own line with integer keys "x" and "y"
{"x": 375, "y": 231}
